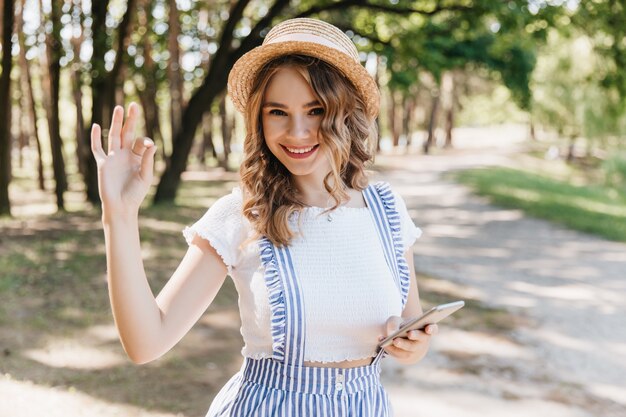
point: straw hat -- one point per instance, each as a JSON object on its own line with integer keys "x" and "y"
{"x": 304, "y": 37}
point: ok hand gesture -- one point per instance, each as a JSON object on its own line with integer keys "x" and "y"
{"x": 125, "y": 172}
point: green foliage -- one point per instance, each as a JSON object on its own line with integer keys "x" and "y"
{"x": 499, "y": 37}
{"x": 604, "y": 21}
{"x": 615, "y": 171}
{"x": 593, "y": 209}
{"x": 492, "y": 107}
{"x": 568, "y": 96}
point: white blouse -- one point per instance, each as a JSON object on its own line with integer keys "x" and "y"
{"x": 348, "y": 289}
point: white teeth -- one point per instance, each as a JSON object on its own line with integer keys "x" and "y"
{"x": 303, "y": 150}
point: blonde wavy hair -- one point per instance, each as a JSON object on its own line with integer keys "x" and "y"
{"x": 346, "y": 136}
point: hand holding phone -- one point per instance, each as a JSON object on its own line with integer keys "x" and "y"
{"x": 432, "y": 316}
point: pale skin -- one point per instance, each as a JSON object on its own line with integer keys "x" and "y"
{"x": 150, "y": 326}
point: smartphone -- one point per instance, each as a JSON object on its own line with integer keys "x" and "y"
{"x": 432, "y": 316}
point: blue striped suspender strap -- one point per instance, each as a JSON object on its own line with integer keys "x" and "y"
{"x": 281, "y": 385}
{"x": 285, "y": 297}
{"x": 286, "y": 304}
{"x": 382, "y": 205}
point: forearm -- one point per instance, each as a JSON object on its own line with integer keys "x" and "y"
{"x": 136, "y": 313}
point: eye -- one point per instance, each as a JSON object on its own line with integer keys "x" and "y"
{"x": 317, "y": 111}
{"x": 277, "y": 112}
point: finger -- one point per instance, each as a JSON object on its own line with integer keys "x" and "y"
{"x": 418, "y": 335}
{"x": 432, "y": 329}
{"x": 397, "y": 352}
{"x": 128, "y": 130}
{"x": 116, "y": 128}
{"x": 147, "y": 162}
{"x": 96, "y": 143}
{"x": 406, "y": 344}
{"x": 393, "y": 324}
{"x": 140, "y": 145}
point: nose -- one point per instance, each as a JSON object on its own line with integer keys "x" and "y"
{"x": 299, "y": 127}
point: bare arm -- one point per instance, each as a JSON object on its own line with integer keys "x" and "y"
{"x": 412, "y": 349}
{"x": 147, "y": 327}
{"x": 413, "y": 307}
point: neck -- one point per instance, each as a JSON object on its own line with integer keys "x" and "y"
{"x": 311, "y": 190}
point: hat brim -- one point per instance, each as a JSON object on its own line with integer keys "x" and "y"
{"x": 246, "y": 68}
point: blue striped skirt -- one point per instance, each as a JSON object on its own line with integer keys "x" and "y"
{"x": 268, "y": 388}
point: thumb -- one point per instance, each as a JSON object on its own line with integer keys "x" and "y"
{"x": 147, "y": 160}
{"x": 393, "y": 324}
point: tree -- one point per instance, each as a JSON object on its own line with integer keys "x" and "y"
{"x": 497, "y": 38}
{"x": 604, "y": 21}
{"x": 5, "y": 105}
{"x": 54, "y": 51}
{"x": 570, "y": 99}
{"x": 103, "y": 82}
{"x": 29, "y": 97}
{"x": 174, "y": 71}
{"x": 233, "y": 43}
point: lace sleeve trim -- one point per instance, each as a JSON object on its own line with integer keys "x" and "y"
{"x": 190, "y": 232}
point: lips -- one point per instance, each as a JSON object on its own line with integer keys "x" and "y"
{"x": 300, "y": 152}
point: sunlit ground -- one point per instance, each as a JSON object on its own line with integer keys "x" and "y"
{"x": 541, "y": 333}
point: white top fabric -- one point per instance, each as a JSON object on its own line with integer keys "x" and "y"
{"x": 348, "y": 289}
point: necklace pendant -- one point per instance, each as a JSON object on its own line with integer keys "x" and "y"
{"x": 329, "y": 217}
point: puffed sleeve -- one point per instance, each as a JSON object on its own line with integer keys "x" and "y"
{"x": 410, "y": 232}
{"x": 222, "y": 227}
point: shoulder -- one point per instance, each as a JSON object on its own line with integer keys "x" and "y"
{"x": 394, "y": 201}
{"x": 222, "y": 226}
{"x": 227, "y": 208}
{"x": 388, "y": 195}
{"x": 230, "y": 202}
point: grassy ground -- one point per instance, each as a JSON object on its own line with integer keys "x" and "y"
{"x": 554, "y": 191}
{"x": 56, "y": 328}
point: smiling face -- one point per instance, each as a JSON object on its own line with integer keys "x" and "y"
{"x": 291, "y": 116}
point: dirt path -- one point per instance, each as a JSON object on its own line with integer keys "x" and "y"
{"x": 567, "y": 358}
{"x": 543, "y": 333}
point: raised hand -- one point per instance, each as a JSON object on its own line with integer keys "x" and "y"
{"x": 125, "y": 171}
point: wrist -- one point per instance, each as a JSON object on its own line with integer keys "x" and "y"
{"x": 119, "y": 216}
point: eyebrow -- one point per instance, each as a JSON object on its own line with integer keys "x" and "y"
{"x": 282, "y": 106}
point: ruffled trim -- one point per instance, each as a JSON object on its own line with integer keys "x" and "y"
{"x": 276, "y": 294}
{"x": 189, "y": 233}
{"x": 389, "y": 203}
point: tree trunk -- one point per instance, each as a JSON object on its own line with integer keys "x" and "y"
{"x": 56, "y": 143}
{"x": 531, "y": 130}
{"x": 207, "y": 139}
{"x": 82, "y": 152}
{"x": 377, "y": 79}
{"x": 570, "y": 149}
{"x": 407, "y": 113}
{"x": 173, "y": 70}
{"x": 227, "y": 130}
{"x": 432, "y": 123}
{"x": 5, "y": 106}
{"x": 412, "y": 120}
{"x": 120, "y": 95}
{"x": 112, "y": 94}
{"x": 213, "y": 84}
{"x": 451, "y": 108}
{"x": 394, "y": 125}
{"x": 449, "y": 127}
{"x": 29, "y": 97}
{"x": 103, "y": 83}
{"x": 24, "y": 134}
{"x": 147, "y": 94}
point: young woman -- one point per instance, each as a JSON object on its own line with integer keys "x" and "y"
{"x": 321, "y": 259}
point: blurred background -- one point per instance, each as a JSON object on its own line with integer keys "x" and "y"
{"x": 502, "y": 124}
